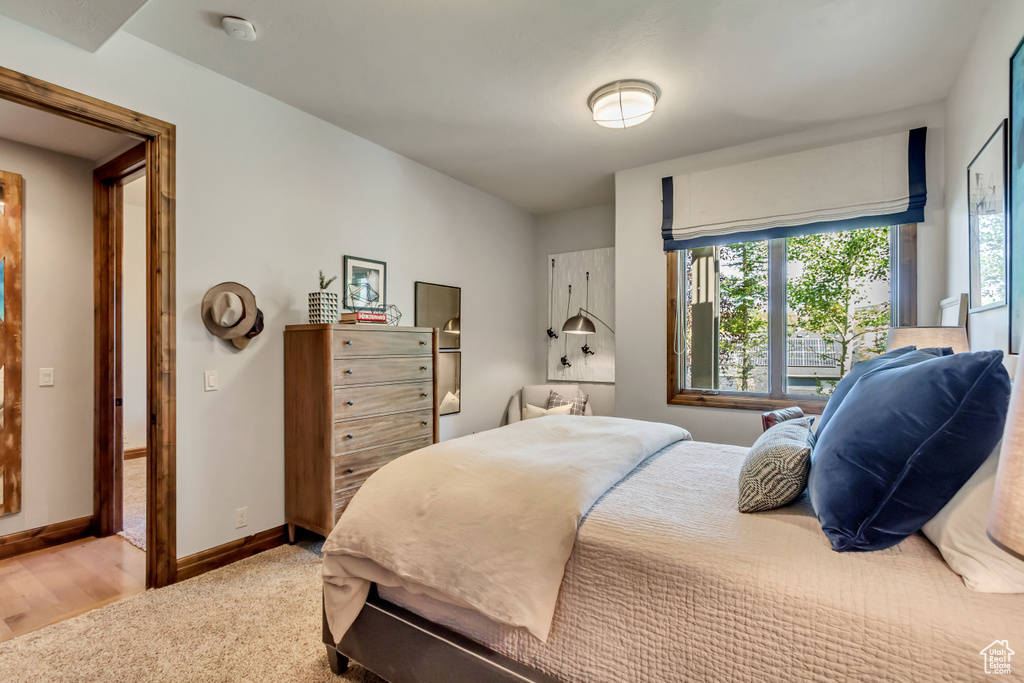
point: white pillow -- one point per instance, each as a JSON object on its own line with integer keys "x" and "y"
{"x": 958, "y": 531}
{"x": 450, "y": 402}
{"x": 531, "y": 411}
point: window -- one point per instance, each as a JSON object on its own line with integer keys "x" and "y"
{"x": 779, "y": 322}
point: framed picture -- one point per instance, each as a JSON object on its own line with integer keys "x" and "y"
{"x": 440, "y": 306}
{"x": 1016, "y": 203}
{"x": 986, "y": 219}
{"x": 366, "y": 282}
{"x": 449, "y": 383}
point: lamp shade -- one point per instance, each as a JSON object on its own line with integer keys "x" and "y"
{"x": 623, "y": 103}
{"x": 1006, "y": 519}
{"x": 453, "y": 326}
{"x": 925, "y": 337}
{"x": 579, "y": 324}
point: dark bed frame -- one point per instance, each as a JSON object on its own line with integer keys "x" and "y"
{"x": 402, "y": 647}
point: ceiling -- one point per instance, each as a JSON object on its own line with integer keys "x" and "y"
{"x": 38, "y": 128}
{"x": 81, "y": 23}
{"x": 494, "y": 93}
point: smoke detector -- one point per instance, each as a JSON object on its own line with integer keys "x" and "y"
{"x": 239, "y": 28}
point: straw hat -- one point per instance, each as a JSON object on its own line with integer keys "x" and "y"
{"x": 229, "y": 311}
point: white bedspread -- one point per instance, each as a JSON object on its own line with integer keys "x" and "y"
{"x": 669, "y": 582}
{"x": 487, "y": 521}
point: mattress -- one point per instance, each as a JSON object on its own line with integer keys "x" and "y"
{"x": 669, "y": 582}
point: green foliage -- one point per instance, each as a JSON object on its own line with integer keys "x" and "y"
{"x": 992, "y": 248}
{"x": 324, "y": 283}
{"x": 743, "y": 303}
{"x": 829, "y": 292}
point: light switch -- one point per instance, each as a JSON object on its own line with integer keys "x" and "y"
{"x": 210, "y": 380}
{"x": 46, "y": 377}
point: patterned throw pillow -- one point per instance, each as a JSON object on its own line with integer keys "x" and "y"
{"x": 776, "y": 469}
{"x": 579, "y": 404}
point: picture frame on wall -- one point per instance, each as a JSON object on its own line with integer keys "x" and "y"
{"x": 1016, "y": 198}
{"x": 986, "y": 220}
{"x": 366, "y": 282}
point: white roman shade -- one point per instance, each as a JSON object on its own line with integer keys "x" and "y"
{"x": 868, "y": 183}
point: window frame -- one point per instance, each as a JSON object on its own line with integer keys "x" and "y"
{"x": 903, "y": 300}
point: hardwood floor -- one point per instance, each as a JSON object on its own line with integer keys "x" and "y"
{"x": 58, "y": 583}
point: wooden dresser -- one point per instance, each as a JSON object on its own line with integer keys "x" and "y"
{"x": 355, "y": 398}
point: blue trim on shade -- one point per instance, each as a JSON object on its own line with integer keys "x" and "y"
{"x": 914, "y": 213}
{"x": 666, "y": 209}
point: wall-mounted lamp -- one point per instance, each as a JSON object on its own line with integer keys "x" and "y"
{"x": 580, "y": 323}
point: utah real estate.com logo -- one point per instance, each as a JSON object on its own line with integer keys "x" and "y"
{"x": 997, "y": 657}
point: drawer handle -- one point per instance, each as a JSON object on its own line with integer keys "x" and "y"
{"x": 348, "y": 342}
{"x": 423, "y": 395}
{"x": 422, "y": 343}
{"x": 349, "y": 371}
{"x": 349, "y": 403}
{"x": 351, "y": 470}
{"x": 423, "y": 422}
{"x": 350, "y": 436}
{"x": 422, "y": 368}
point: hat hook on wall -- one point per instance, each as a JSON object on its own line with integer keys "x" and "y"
{"x": 229, "y": 311}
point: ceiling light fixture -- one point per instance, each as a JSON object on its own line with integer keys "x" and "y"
{"x": 623, "y": 103}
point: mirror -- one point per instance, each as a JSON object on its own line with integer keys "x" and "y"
{"x": 986, "y": 220}
{"x": 449, "y": 383}
{"x": 440, "y": 306}
{"x": 10, "y": 343}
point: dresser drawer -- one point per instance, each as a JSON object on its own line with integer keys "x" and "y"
{"x": 373, "y": 370}
{"x": 384, "y": 343}
{"x": 351, "y": 471}
{"x": 367, "y": 432}
{"x": 352, "y": 402}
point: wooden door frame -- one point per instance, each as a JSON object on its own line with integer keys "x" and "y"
{"x": 108, "y": 183}
{"x": 159, "y": 137}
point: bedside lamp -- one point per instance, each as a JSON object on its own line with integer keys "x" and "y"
{"x": 925, "y": 337}
{"x": 1006, "y": 519}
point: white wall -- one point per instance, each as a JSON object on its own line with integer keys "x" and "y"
{"x": 977, "y": 102}
{"x": 133, "y": 326}
{"x": 266, "y": 196}
{"x": 640, "y": 353}
{"x": 577, "y": 230}
{"x": 57, "y": 421}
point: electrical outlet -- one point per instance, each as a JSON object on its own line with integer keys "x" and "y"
{"x": 126, "y": 437}
{"x": 241, "y": 517}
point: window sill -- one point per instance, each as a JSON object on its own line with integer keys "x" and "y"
{"x": 810, "y": 405}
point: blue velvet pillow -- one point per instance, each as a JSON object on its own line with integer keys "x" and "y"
{"x": 902, "y": 443}
{"x": 857, "y": 370}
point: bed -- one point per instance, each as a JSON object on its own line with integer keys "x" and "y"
{"x": 667, "y": 581}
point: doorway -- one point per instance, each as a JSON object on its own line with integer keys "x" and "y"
{"x": 156, "y": 155}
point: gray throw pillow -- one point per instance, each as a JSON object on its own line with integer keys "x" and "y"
{"x": 579, "y": 404}
{"x": 776, "y": 468}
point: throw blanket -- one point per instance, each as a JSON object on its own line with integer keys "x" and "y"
{"x": 486, "y": 521}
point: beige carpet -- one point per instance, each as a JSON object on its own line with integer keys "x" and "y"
{"x": 255, "y": 620}
{"x": 134, "y": 502}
